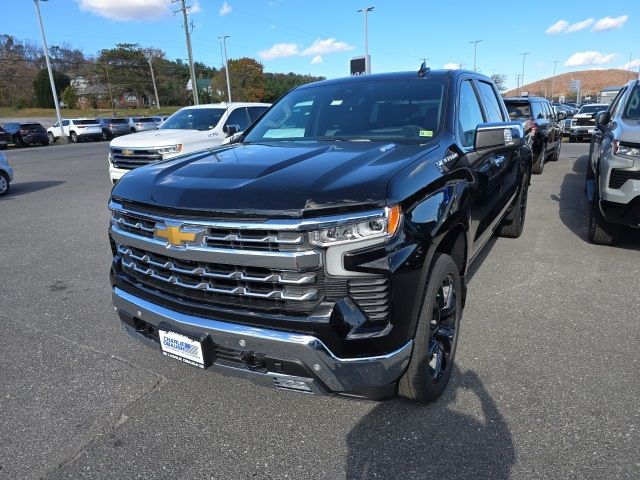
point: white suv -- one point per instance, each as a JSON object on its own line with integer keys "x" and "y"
{"x": 76, "y": 129}
{"x": 188, "y": 130}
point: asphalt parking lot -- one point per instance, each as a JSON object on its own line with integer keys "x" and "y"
{"x": 546, "y": 386}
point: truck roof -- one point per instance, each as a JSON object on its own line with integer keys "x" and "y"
{"x": 227, "y": 105}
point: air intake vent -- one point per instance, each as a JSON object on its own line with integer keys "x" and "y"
{"x": 619, "y": 177}
{"x": 372, "y": 296}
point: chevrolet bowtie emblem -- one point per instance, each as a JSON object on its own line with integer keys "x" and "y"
{"x": 176, "y": 236}
{"x": 127, "y": 153}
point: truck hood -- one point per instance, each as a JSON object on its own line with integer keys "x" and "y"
{"x": 155, "y": 138}
{"x": 279, "y": 179}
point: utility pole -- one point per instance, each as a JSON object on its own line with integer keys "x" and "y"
{"x": 62, "y": 138}
{"x": 629, "y": 69}
{"x": 553, "y": 80}
{"x": 194, "y": 85}
{"x": 475, "y": 51}
{"x": 106, "y": 69}
{"x": 153, "y": 79}
{"x": 223, "y": 39}
{"x": 518, "y": 83}
{"x": 524, "y": 56}
{"x": 367, "y": 63}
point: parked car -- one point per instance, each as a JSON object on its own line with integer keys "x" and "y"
{"x": 583, "y": 123}
{"x": 6, "y": 174}
{"x": 613, "y": 172}
{"x": 329, "y": 257}
{"x": 25, "y": 133}
{"x": 188, "y": 130}
{"x": 3, "y": 139}
{"x": 113, "y": 127}
{"x": 142, "y": 124}
{"x": 76, "y": 130}
{"x": 541, "y": 126}
{"x": 566, "y": 127}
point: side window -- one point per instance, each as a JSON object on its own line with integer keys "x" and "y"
{"x": 536, "y": 111}
{"x": 470, "y": 114}
{"x": 255, "y": 112}
{"x": 56, "y": 124}
{"x": 238, "y": 117}
{"x": 491, "y": 103}
{"x": 65, "y": 123}
{"x": 549, "y": 111}
{"x": 613, "y": 109}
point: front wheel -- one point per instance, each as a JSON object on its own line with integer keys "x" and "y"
{"x": 600, "y": 231}
{"x": 52, "y": 139}
{"x": 4, "y": 184}
{"x": 434, "y": 347}
{"x": 74, "y": 137}
{"x": 18, "y": 142}
{"x": 555, "y": 156}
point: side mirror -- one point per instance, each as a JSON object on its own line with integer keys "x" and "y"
{"x": 603, "y": 118}
{"x": 231, "y": 129}
{"x": 496, "y": 135}
{"x": 562, "y": 115}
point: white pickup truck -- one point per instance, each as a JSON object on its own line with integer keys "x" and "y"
{"x": 188, "y": 130}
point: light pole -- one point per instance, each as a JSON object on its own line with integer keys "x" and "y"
{"x": 226, "y": 65}
{"x": 366, "y": 37}
{"x": 524, "y": 56}
{"x": 475, "y": 51}
{"x": 553, "y": 80}
{"x": 62, "y": 138}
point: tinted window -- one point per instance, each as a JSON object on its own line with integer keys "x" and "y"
{"x": 255, "y": 112}
{"x": 470, "y": 114}
{"x": 65, "y": 123}
{"x": 492, "y": 107}
{"x": 633, "y": 105}
{"x": 84, "y": 122}
{"x": 238, "y": 117}
{"x": 518, "y": 110}
{"x": 143, "y": 120}
{"x": 117, "y": 120}
{"x": 194, "y": 119}
{"x": 406, "y": 110}
{"x": 592, "y": 108}
{"x": 31, "y": 126}
{"x": 537, "y": 111}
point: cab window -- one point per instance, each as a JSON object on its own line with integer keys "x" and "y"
{"x": 537, "y": 111}
{"x": 238, "y": 117}
{"x": 613, "y": 109}
{"x": 470, "y": 114}
{"x": 492, "y": 106}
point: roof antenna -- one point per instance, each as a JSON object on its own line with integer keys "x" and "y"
{"x": 423, "y": 68}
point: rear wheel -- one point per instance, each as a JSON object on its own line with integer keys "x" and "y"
{"x": 436, "y": 337}
{"x": 74, "y": 137}
{"x": 45, "y": 143}
{"x": 572, "y": 139}
{"x": 4, "y": 183}
{"x": 105, "y": 135}
{"x": 601, "y": 232}
{"x": 18, "y": 141}
{"x": 538, "y": 165}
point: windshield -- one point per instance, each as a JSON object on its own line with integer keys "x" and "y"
{"x": 194, "y": 119}
{"x": 518, "y": 110}
{"x": 633, "y": 105}
{"x": 402, "y": 110}
{"x": 592, "y": 108}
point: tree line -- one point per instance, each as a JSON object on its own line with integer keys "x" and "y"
{"x": 125, "y": 70}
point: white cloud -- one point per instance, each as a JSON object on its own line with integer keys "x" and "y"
{"x": 451, "y": 66}
{"x": 634, "y": 64}
{"x": 195, "y": 8}
{"x": 576, "y": 27}
{"x": 557, "y": 27}
{"x": 127, "y": 10}
{"x": 608, "y": 23}
{"x": 315, "y": 60}
{"x": 225, "y": 9}
{"x": 280, "y": 50}
{"x": 329, "y": 45}
{"x": 589, "y": 58}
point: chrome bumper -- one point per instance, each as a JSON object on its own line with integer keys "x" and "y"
{"x": 331, "y": 374}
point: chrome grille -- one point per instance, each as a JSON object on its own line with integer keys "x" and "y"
{"x": 135, "y": 158}
{"x": 372, "y": 296}
{"x": 584, "y": 122}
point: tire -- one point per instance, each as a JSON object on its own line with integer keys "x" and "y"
{"x": 572, "y": 139}
{"x": 4, "y": 184}
{"x": 513, "y": 224}
{"x": 52, "y": 139}
{"x": 105, "y": 135}
{"x": 601, "y": 232}
{"x": 45, "y": 143}
{"x": 74, "y": 137}
{"x": 436, "y": 337}
{"x": 555, "y": 156}
{"x": 18, "y": 142}
{"x": 538, "y": 165}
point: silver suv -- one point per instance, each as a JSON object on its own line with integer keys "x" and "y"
{"x": 613, "y": 173}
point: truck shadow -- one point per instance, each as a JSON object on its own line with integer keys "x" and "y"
{"x": 399, "y": 439}
{"x": 574, "y": 207}
{"x": 23, "y": 188}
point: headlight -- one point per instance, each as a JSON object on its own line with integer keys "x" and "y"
{"x": 170, "y": 149}
{"x": 627, "y": 150}
{"x": 384, "y": 226}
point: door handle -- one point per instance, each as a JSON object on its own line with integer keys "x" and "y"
{"x": 498, "y": 160}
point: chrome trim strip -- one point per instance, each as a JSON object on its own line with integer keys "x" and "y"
{"x": 338, "y": 374}
{"x": 232, "y": 237}
{"x": 303, "y": 260}
{"x": 271, "y": 224}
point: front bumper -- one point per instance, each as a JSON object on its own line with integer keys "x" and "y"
{"x": 292, "y": 361}
{"x": 116, "y": 174}
{"x": 582, "y": 132}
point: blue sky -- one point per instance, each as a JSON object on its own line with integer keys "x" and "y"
{"x": 319, "y": 37}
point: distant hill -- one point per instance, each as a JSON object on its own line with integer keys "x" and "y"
{"x": 593, "y": 81}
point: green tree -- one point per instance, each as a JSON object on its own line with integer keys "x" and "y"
{"x": 69, "y": 97}
{"x": 247, "y": 81}
{"x": 277, "y": 84}
{"x": 125, "y": 68}
{"x": 42, "y": 87}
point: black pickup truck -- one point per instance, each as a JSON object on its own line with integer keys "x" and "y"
{"x": 325, "y": 249}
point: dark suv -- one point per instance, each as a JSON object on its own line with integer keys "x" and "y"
{"x": 542, "y": 127}
{"x": 326, "y": 249}
{"x": 3, "y": 139}
{"x": 28, "y": 133}
{"x": 114, "y": 127}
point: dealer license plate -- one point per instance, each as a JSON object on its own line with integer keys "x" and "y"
{"x": 181, "y": 348}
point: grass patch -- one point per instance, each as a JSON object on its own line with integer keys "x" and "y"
{"x": 77, "y": 113}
